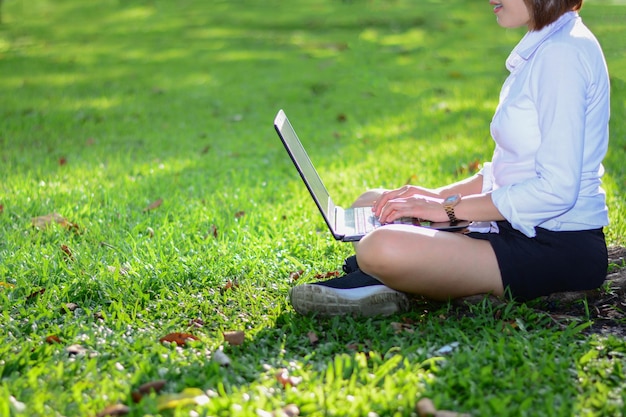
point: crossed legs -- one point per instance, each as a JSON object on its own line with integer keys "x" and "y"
{"x": 436, "y": 264}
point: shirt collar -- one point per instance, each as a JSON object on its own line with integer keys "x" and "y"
{"x": 533, "y": 39}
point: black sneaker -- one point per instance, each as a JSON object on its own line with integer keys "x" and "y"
{"x": 355, "y": 294}
{"x": 350, "y": 264}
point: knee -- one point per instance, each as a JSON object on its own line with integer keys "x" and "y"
{"x": 375, "y": 251}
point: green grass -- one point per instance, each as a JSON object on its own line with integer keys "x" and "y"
{"x": 108, "y": 106}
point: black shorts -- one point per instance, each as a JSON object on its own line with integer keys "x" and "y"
{"x": 548, "y": 263}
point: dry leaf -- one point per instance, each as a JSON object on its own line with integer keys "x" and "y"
{"x": 229, "y": 285}
{"x": 235, "y": 337}
{"x": 312, "y": 337}
{"x": 212, "y": 231}
{"x": 68, "y": 307}
{"x": 43, "y": 222}
{"x": 1, "y": 209}
{"x": 147, "y": 388}
{"x": 114, "y": 410}
{"x": 197, "y": 322}
{"x": 154, "y": 205}
{"x": 68, "y": 253}
{"x": 400, "y": 327}
{"x": 189, "y": 396}
{"x": 35, "y": 294}
{"x": 326, "y": 275}
{"x": 179, "y": 338}
{"x": 240, "y": 214}
{"x": 53, "y": 339}
{"x": 425, "y": 408}
{"x": 294, "y": 276}
{"x": 6, "y": 285}
{"x": 62, "y": 160}
{"x": 285, "y": 379}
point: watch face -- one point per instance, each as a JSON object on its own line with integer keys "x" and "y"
{"x": 450, "y": 200}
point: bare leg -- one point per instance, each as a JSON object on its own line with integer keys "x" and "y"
{"x": 439, "y": 265}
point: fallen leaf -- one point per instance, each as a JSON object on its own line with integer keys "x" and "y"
{"x": 212, "y": 231}
{"x": 35, "y": 294}
{"x": 147, "y": 388}
{"x": 43, "y": 222}
{"x": 235, "y": 337}
{"x": 402, "y": 327}
{"x": 154, "y": 205}
{"x": 326, "y": 275}
{"x": 179, "y": 338}
{"x": 189, "y": 396}
{"x": 240, "y": 214}
{"x": 1, "y": 209}
{"x": 197, "y": 322}
{"x": 313, "y": 337}
{"x": 52, "y": 339}
{"x": 62, "y": 161}
{"x": 68, "y": 307}
{"x": 341, "y": 118}
{"x": 294, "y": 276}
{"x": 150, "y": 231}
{"x": 114, "y": 410}
{"x": 6, "y": 285}
{"x": 229, "y": 285}
{"x": 425, "y": 408}
{"x": 285, "y": 379}
{"x": 468, "y": 168}
{"x": 68, "y": 253}
{"x": 107, "y": 245}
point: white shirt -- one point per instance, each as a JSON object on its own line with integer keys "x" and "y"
{"x": 551, "y": 131}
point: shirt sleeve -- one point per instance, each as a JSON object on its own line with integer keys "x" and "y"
{"x": 487, "y": 175}
{"x": 558, "y": 87}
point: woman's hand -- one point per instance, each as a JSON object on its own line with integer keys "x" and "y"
{"x": 409, "y": 201}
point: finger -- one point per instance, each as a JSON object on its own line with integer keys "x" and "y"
{"x": 383, "y": 200}
{"x": 389, "y": 212}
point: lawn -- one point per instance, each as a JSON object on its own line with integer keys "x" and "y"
{"x": 150, "y": 218}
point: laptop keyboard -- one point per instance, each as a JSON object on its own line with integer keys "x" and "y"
{"x": 365, "y": 221}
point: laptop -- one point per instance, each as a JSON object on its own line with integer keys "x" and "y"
{"x": 349, "y": 224}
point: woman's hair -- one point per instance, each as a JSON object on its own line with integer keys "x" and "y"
{"x": 544, "y": 12}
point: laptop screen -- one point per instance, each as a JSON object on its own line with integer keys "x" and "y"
{"x": 305, "y": 167}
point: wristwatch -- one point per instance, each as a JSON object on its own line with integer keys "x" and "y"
{"x": 449, "y": 203}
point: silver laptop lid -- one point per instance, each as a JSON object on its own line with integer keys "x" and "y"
{"x": 306, "y": 169}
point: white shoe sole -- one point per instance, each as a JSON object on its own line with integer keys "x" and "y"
{"x": 374, "y": 300}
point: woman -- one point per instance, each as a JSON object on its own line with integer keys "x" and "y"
{"x": 540, "y": 195}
